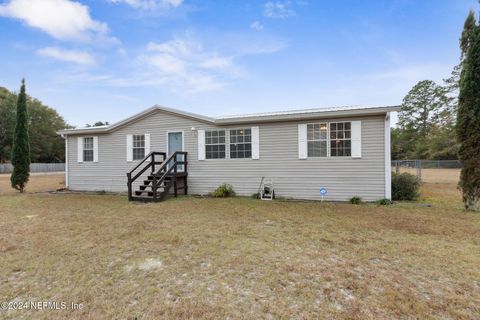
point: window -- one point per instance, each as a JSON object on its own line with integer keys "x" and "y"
{"x": 240, "y": 143}
{"x": 88, "y": 149}
{"x": 329, "y": 140}
{"x": 317, "y": 139}
{"x": 215, "y": 144}
{"x": 340, "y": 139}
{"x": 138, "y": 146}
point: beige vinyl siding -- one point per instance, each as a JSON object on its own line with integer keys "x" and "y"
{"x": 344, "y": 177}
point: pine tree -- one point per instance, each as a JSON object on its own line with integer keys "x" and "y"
{"x": 425, "y": 105}
{"x": 21, "y": 146}
{"x": 468, "y": 116}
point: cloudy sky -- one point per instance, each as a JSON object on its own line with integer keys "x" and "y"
{"x": 108, "y": 59}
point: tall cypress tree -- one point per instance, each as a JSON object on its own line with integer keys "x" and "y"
{"x": 21, "y": 145}
{"x": 466, "y": 39}
{"x": 468, "y": 116}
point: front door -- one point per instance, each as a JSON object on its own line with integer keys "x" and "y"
{"x": 175, "y": 143}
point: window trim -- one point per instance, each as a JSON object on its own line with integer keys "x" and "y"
{"x": 85, "y": 149}
{"x": 133, "y": 147}
{"x": 226, "y": 136}
{"x": 329, "y": 139}
{"x": 229, "y": 143}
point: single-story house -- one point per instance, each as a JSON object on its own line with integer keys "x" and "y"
{"x": 344, "y": 151}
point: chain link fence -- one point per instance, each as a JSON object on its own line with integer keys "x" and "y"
{"x": 430, "y": 170}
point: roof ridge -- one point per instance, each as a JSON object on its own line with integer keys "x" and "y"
{"x": 295, "y": 111}
{"x": 223, "y": 120}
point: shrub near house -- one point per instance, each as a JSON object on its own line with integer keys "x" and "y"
{"x": 223, "y": 191}
{"x": 405, "y": 186}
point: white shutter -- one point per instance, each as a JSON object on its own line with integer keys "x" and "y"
{"x": 302, "y": 141}
{"x": 201, "y": 145}
{"x": 255, "y": 143}
{"x": 95, "y": 149}
{"x": 147, "y": 145}
{"x": 129, "y": 147}
{"x": 356, "y": 127}
{"x": 80, "y": 149}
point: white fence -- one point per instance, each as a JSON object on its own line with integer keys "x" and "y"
{"x": 35, "y": 167}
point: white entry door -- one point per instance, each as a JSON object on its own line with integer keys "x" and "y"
{"x": 175, "y": 143}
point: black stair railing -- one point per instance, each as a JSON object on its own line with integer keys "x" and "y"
{"x": 168, "y": 168}
{"x": 151, "y": 164}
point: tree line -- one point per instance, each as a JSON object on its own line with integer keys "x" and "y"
{"x": 43, "y": 123}
{"x": 426, "y": 126}
{"x": 443, "y": 121}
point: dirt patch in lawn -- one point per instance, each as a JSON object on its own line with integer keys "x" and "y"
{"x": 239, "y": 258}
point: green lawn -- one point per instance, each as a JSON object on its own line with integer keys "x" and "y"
{"x": 238, "y": 258}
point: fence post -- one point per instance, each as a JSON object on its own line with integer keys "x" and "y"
{"x": 419, "y": 169}
{"x": 175, "y": 190}
{"x": 153, "y": 163}
{"x": 186, "y": 173}
{"x": 129, "y": 186}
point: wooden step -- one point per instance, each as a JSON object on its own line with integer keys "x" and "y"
{"x": 159, "y": 190}
{"x": 158, "y": 176}
{"x": 142, "y": 199}
{"x": 150, "y": 179}
{"x": 149, "y": 186}
{"x": 148, "y": 189}
{"x": 147, "y": 196}
{"x": 140, "y": 192}
{"x": 145, "y": 191}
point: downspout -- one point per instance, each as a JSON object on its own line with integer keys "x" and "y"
{"x": 388, "y": 159}
{"x": 66, "y": 159}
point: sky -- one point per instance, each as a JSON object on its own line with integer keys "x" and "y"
{"x": 104, "y": 60}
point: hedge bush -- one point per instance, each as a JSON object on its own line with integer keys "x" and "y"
{"x": 356, "y": 200}
{"x": 384, "y": 202}
{"x": 405, "y": 186}
{"x": 223, "y": 191}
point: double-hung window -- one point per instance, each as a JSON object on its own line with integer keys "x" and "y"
{"x": 215, "y": 144}
{"x": 138, "y": 146}
{"x": 240, "y": 143}
{"x": 332, "y": 139}
{"x": 317, "y": 139}
{"x": 88, "y": 149}
{"x": 340, "y": 139}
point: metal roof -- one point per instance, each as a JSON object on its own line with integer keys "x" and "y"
{"x": 297, "y": 111}
{"x": 299, "y": 114}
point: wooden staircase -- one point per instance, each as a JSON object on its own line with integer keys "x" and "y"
{"x": 163, "y": 175}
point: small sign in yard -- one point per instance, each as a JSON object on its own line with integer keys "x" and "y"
{"x": 323, "y": 192}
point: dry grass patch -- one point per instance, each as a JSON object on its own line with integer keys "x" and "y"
{"x": 38, "y": 183}
{"x": 240, "y": 258}
{"x": 436, "y": 175}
